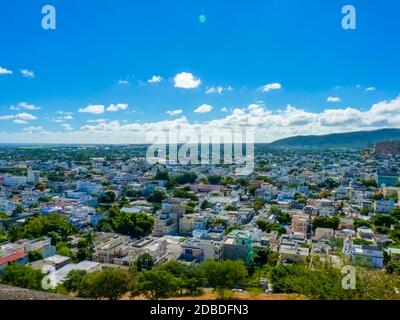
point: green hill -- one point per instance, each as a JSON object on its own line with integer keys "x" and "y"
{"x": 352, "y": 140}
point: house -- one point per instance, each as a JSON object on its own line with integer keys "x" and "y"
{"x": 367, "y": 255}
{"x": 12, "y": 253}
{"x": 293, "y": 248}
{"x": 238, "y": 245}
{"x": 300, "y": 223}
{"x": 384, "y": 206}
{"x": 167, "y": 223}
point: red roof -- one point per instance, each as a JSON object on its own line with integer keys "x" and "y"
{"x": 14, "y": 256}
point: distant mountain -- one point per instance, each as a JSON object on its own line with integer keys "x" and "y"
{"x": 351, "y": 140}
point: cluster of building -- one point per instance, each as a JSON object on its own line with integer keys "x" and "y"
{"x": 347, "y": 185}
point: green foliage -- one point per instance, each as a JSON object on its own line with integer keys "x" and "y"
{"x": 224, "y": 275}
{"x": 330, "y": 183}
{"x": 74, "y": 279}
{"x": 108, "y": 197}
{"x": 393, "y": 267}
{"x": 359, "y": 241}
{"x": 15, "y": 232}
{"x": 369, "y": 183}
{"x": 189, "y": 276}
{"x": 205, "y": 205}
{"x": 130, "y": 224}
{"x": 34, "y": 256}
{"x": 357, "y": 223}
{"x": 183, "y": 178}
{"x": 230, "y": 208}
{"x": 263, "y": 256}
{"x": 22, "y": 276}
{"x": 184, "y": 194}
{"x": 156, "y": 197}
{"x": 158, "y": 284}
{"x": 281, "y": 216}
{"x": 214, "y": 179}
{"x": 144, "y": 262}
{"x": 162, "y": 175}
{"x": 266, "y": 226}
{"x": 258, "y": 204}
{"x": 54, "y": 225}
{"x": 109, "y": 283}
{"x": 62, "y": 249}
{"x": 326, "y": 222}
{"x": 324, "y": 282}
{"x": 383, "y": 220}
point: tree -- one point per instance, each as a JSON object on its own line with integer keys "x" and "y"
{"x": 108, "y": 197}
{"x": 326, "y": 222}
{"x": 54, "y": 225}
{"x": 281, "y": 216}
{"x": 109, "y": 283}
{"x": 156, "y": 197}
{"x": 396, "y": 213}
{"x": 214, "y": 179}
{"x": 357, "y": 223}
{"x": 189, "y": 276}
{"x": 144, "y": 262}
{"x": 162, "y": 175}
{"x": 34, "y": 256}
{"x": 40, "y": 186}
{"x": 15, "y": 232}
{"x": 22, "y": 276}
{"x": 157, "y": 284}
{"x": 73, "y": 281}
{"x": 383, "y": 220}
{"x": 224, "y": 275}
{"x": 369, "y": 183}
{"x": 126, "y": 223}
{"x": 258, "y": 204}
{"x": 205, "y": 205}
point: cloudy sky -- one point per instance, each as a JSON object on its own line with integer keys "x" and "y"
{"x": 113, "y": 71}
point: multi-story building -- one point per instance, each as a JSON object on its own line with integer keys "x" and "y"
{"x": 168, "y": 221}
{"x": 238, "y": 245}
{"x": 301, "y": 223}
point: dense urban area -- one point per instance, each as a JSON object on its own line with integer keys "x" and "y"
{"x": 100, "y": 222}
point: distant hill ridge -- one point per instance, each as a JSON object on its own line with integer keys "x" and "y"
{"x": 352, "y": 140}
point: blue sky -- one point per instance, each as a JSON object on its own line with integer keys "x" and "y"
{"x": 103, "y": 54}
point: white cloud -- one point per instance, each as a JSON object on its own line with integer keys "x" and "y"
{"x": 19, "y": 121}
{"x": 5, "y": 71}
{"x": 370, "y": 89}
{"x": 123, "y": 82}
{"x": 93, "y": 108}
{"x": 268, "y": 125}
{"x": 97, "y": 121}
{"x": 68, "y": 117}
{"x": 186, "y": 80}
{"x": 174, "y": 112}
{"x": 27, "y": 73}
{"x": 155, "y": 79}
{"x": 22, "y": 116}
{"x": 66, "y": 126}
{"x": 218, "y": 90}
{"x": 25, "y": 116}
{"x": 333, "y": 99}
{"x": 271, "y": 86}
{"x": 205, "y": 108}
{"x": 32, "y": 129}
{"x": 224, "y": 109}
{"x": 27, "y": 106}
{"x": 117, "y": 107}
